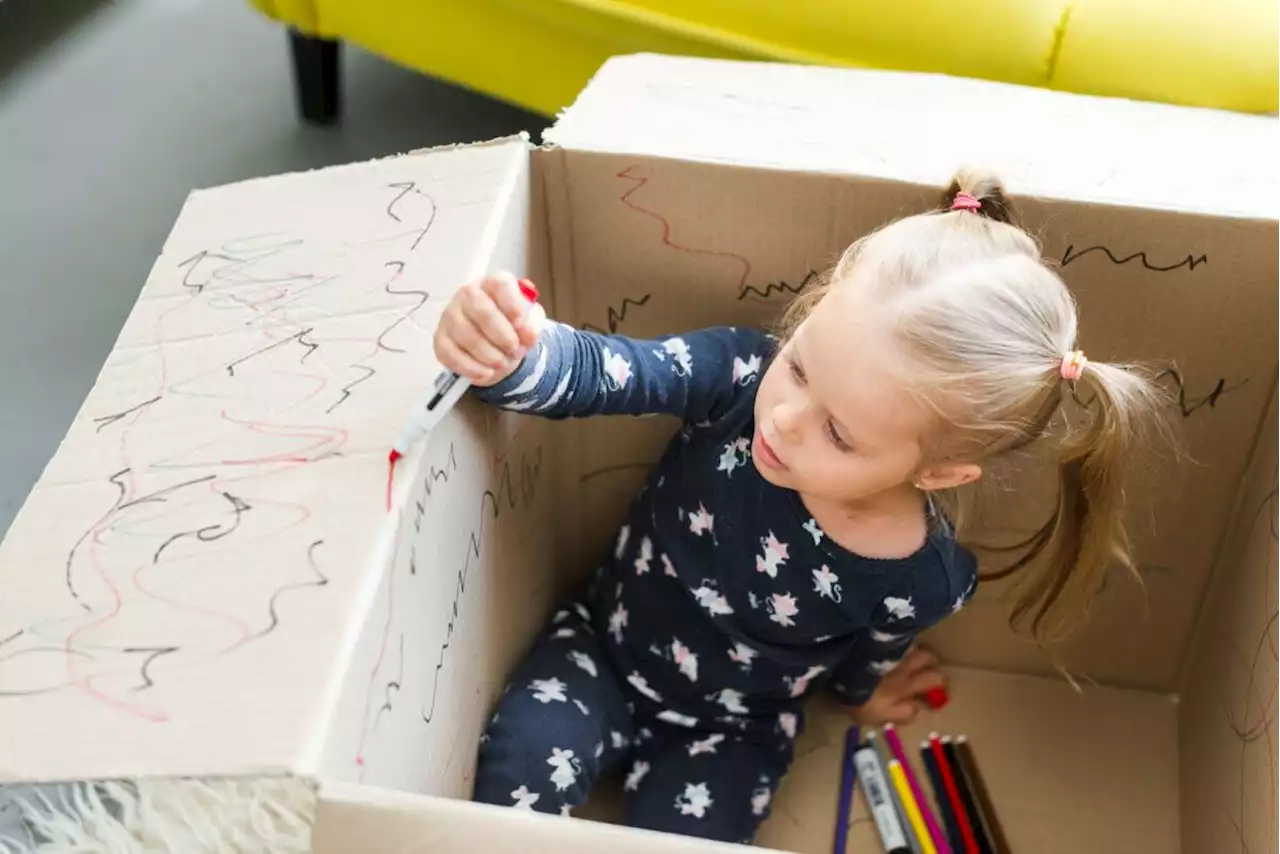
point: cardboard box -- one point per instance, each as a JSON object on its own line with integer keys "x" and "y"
{"x": 206, "y": 597}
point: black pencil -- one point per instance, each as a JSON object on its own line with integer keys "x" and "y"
{"x": 969, "y": 768}
{"x": 949, "y": 823}
{"x": 966, "y": 798}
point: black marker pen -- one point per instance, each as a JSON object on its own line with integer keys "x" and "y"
{"x": 875, "y": 786}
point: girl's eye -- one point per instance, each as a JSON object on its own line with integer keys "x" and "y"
{"x": 834, "y": 436}
{"x": 797, "y": 372}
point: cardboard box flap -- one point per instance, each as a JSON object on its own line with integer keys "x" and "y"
{"x": 185, "y": 584}
{"x": 920, "y": 127}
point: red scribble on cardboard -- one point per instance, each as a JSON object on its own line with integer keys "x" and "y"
{"x": 628, "y": 200}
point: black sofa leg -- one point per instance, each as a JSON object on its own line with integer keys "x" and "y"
{"x": 316, "y": 78}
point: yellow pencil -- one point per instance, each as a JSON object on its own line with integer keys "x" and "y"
{"x": 910, "y": 807}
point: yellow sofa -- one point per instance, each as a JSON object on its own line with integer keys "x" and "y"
{"x": 539, "y": 53}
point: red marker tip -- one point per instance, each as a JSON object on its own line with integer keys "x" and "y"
{"x": 391, "y": 473}
{"x": 936, "y": 698}
{"x": 529, "y": 290}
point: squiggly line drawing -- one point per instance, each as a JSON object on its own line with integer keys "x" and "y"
{"x": 778, "y": 287}
{"x": 490, "y": 510}
{"x": 108, "y": 420}
{"x": 1190, "y": 262}
{"x": 149, "y": 528}
{"x": 615, "y": 316}
{"x": 627, "y": 198}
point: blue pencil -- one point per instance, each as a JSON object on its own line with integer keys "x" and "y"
{"x": 848, "y": 776}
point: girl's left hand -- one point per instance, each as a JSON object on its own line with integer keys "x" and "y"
{"x": 897, "y": 698}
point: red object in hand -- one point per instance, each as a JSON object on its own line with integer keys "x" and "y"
{"x": 936, "y": 698}
{"x": 529, "y": 290}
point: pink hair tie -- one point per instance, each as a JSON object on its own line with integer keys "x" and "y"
{"x": 965, "y": 202}
{"x": 1073, "y": 364}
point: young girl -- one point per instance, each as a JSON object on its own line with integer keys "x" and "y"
{"x": 803, "y": 527}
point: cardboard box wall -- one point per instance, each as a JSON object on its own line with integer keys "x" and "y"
{"x": 206, "y": 583}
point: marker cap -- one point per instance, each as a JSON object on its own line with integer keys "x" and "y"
{"x": 936, "y": 698}
{"x": 528, "y": 290}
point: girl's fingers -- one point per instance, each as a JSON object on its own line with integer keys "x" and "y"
{"x": 925, "y": 680}
{"x": 474, "y": 343}
{"x": 901, "y": 713}
{"x": 529, "y": 327}
{"x": 505, "y": 293}
{"x": 497, "y": 331}
{"x": 460, "y": 362}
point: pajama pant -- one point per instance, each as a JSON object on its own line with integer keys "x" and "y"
{"x": 566, "y": 719}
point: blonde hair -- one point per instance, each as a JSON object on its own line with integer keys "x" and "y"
{"x": 984, "y": 324}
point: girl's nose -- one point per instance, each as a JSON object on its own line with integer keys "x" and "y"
{"x": 786, "y": 418}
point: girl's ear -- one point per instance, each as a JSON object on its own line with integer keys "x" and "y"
{"x": 947, "y": 476}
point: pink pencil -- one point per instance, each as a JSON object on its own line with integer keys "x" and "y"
{"x": 895, "y": 745}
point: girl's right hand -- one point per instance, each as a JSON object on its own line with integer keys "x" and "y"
{"x": 487, "y": 329}
{"x": 898, "y": 697}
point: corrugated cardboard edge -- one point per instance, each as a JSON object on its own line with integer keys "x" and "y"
{"x": 352, "y": 819}
{"x": 522, "y": 136}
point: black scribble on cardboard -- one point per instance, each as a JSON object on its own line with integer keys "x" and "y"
{"x": 208, "y": 533}
{"x": 1190, "y": 262}
{"x": 779, "y": 287}
{"x": 491, "y": 509}
{"x": 160, "y": 495}
{"x": 310, "y": 345}
{"x": 151, "y": 653}
{"x": 108, "y": 420}
{"x": 1189, "y": 404}
{"x": 299, "y": 337}
{"x": 405, "y": 188}
{"x": 616, "y": 316}
{"x": 320, "y": 580}
{"x": 393, "y": 685}
{"x": 235, "y": 258}
{"x": 437, "y": 475}
{"x": 346, "y": 389}
{"x": 69, "y": 580}
{"x": 422, "y": 296}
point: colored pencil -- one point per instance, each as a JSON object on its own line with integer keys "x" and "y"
{"x": 895, "y": 796}
{"x": 949, "y": 824}
{"x": 953, "y": 795}
{"x": 966, "y": 797}
{"x": 969, "y": 767}
{"x": 848, "y": 776}
{"x": 935, "y": 833}
{"x": 899, "y": 779}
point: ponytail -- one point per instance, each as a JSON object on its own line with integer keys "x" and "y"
{"x": 1087, "y": 534}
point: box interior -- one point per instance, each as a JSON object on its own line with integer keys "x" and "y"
{"x": 647, "y": 246}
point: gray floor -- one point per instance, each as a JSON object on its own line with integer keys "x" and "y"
{"x": 110, "y": 113}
